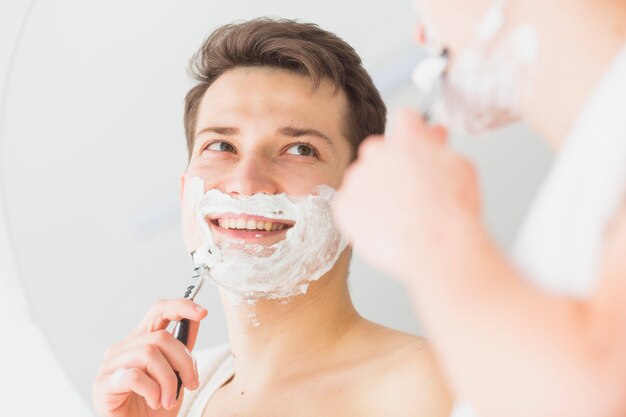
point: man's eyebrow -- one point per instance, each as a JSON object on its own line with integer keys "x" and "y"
{"x": 296, "y": 132}
{"x": 226, "y": 131}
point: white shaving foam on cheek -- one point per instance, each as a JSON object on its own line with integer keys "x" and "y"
{"x": 483, "y": 91}
{"x": 281, "y": 270}
{"x": 484, "y": 87}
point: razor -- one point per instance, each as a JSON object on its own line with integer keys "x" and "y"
{"x": 428, "y": 77}
{"x": 202, "y": 260}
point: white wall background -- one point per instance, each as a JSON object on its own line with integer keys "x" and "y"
{"x": 32, "y": 380}
{"x": 92, "y": 147}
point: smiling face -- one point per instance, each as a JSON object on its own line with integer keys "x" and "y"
{"x": 266, "y": 130}
{"x": 492, "y": 57}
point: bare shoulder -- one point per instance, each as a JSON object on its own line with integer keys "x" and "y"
{"x": 409, "y": 380}
{"x": 415, "y": 384}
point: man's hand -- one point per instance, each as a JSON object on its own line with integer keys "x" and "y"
{"x": 411, "y": 206}
{"x": 404, "y": 193}
{"x": 136, "y": 377}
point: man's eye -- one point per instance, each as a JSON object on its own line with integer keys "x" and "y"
{"x": 301, "y": 149}
{"x": 220, "y": 146}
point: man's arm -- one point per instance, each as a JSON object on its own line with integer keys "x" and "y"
{"x": 512, "y": 349}
{"x": 509, "y": 348}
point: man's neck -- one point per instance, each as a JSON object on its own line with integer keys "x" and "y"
{"x": 578, "y": 41}
{"x": 277, "y": 339}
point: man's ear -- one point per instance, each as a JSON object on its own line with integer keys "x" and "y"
{"x": 183, "y": 178}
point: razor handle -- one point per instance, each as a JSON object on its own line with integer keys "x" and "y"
{"x": 181, "y": 333}
{"x": 181, "y": 329}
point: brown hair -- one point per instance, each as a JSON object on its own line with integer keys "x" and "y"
{"x": 300, "y": 47}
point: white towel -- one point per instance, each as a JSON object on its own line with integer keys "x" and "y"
{"x": 560, "y": 243}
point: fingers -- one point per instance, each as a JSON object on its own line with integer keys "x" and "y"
{"x": 165, "y": 311}
{"x": 151, "y": 360}
{"x": 145, "y": 363}
{"x": 158, "y": 353}
{"x": 115, "y": 388}
{"x": 411, "y": 126}
{"x": 408, "y": 125}
{"x": 439, "y": 134}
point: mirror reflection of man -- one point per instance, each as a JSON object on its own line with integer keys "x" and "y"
{"x": 555, "y": 346}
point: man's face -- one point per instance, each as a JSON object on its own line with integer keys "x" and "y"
{"x": 453, "y": 23}
{"x": 492, "y": 61}
{"x": 265, "y": 130}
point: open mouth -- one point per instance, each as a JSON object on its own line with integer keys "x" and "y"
{"x": 254, "y": 225}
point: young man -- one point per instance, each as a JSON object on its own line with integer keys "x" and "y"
{"x": 280, "y": 109}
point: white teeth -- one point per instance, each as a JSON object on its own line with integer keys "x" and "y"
{"x": 249, "y": 224}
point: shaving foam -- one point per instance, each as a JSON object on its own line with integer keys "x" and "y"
{"x": 250, "y": 271}
{"x": 484, "y": 87}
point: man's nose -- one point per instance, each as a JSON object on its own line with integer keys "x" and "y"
{"x": 251, "y": 175}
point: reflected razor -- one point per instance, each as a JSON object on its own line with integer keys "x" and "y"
{"x": 428, "y": 77}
